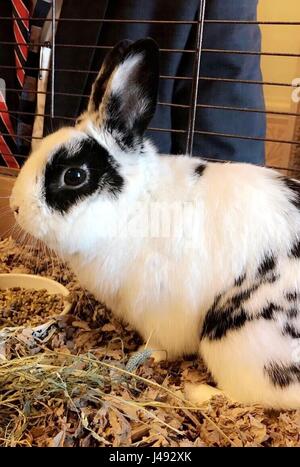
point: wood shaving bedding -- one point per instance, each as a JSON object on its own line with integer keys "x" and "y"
{"x": 70, "y": 384}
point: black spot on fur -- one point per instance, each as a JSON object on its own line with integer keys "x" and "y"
{"x": 282, "y": 375}
{"x": 292, "y": 296}
{"x": 295, "y": 251}
{"x": 294, "y": 186}
{"x": 216, "y": 300}
{"x": 239, "y": 281}
{"x": 218, "y": 323}
{"x": 199, "y": 170}
{"x": 268, "y": 311}
{"x": 102, "y": 175}
{"x": 267, "y": 265}
{"x": 272, "y": 278}
{"x": 220, "y": 319}
{"x": 292, "y": 313}
{"x": 291, "y": 331}
{"x": 241, "y": 297}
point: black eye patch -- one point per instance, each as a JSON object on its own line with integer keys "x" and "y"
{"x": 61, "y": 190}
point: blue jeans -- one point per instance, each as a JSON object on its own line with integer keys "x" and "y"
{"x": 232, "y": 66}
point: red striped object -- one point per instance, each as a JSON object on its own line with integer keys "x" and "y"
{"x": 21, "y": 30}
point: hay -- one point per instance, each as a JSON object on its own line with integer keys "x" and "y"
{"x": 80, "y": 382}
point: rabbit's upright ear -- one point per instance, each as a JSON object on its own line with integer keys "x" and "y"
{"x": 128, "y": 102}
{"x": 112, "y": 59}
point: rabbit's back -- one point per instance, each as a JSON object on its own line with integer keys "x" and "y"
{"x": 250, "y": 338}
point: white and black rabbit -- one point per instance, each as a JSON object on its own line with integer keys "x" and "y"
{"x": 223, "y": 279}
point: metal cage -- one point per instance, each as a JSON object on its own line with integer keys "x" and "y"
{"x": 291, "y": 165}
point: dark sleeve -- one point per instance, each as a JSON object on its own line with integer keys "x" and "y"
{"x": 223, "y": 65}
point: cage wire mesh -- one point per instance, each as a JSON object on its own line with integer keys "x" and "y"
{"x": 189, "y": 129}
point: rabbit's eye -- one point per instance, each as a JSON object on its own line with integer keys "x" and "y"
{"x": 74, "y": 176}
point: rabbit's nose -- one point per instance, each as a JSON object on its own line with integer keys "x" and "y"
{"x": 16, "y": 210}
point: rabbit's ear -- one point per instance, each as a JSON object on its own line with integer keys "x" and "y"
{"x": 112, "y": 59}
{"x": 129, "y": 100}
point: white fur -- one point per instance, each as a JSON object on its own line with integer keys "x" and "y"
{"x": 164, "y": 282}
{"x": 164, "y": 286}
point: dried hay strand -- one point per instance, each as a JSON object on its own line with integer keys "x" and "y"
{"x": 30, "y": 386}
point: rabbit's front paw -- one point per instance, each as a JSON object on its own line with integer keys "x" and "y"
{"x": 198, "y": 394}
{"x": 157, "y": 355}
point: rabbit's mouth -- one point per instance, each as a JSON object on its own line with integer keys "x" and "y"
{"x": 26, "y": 222}
{"x": 30, "y": 215}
